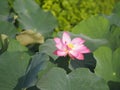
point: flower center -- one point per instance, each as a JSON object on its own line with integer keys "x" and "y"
{"x": 70, "y": 45}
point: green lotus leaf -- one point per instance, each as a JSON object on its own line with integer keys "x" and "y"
{"x": 12, "y": 67}
{"x": 108, "y": 63}
{"x": 94, "y": 27}
{"x": 79, "y": 79}
{"x": 31, "y": 16}
{"x": 7, "y": 28}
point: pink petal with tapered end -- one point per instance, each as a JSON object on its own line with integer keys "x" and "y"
{"x": 66, "y": 38}
{"x": 77, "y": 55}
{"x": 80, "y": 56}
{"x": 60, "y": 53}
{"x": 78, "y": 41}
{"x": 71, "y": 56}
{"x": 82, "y": 48}
{"x": 59, "y": 46}
{"x": 57, "y": 40}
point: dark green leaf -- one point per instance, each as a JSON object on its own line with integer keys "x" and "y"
{"x": 33, "y": 88}
{"x": 63, "y": 62}
{"x": 39, "y": 63}
{"x": 88, "y": 62}
{"x": 114, "y": 85}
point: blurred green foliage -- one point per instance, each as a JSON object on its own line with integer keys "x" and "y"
{"x": 71, "y": 12}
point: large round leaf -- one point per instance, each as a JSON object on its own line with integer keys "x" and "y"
{"x": 55, "y": 79}
{"x": 7, "y": 28}
{"x": 83, "y": 79}
{"x": 12, "y": 66}
{"x": 94, "y": 27}
{"x": 14, "y": 45}
{"x": 34, "y": 18}
{"x": 108, "y": 63}
{"x": 4, "y": 8}
{"x": 80, "y": 79}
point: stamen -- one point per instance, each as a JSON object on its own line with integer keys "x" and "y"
{"x": 70, "y": 45}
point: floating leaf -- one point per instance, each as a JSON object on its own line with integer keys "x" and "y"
{"x": 108, "y": 63}
{"x": 55, "y": 79}
{"x": 14, "y": 45}
{"x": 94, "y": 27}
{"x": 12, "y": 66}
{"x": 7, "y": 29}
{"x": 31, "y": 16}
{"x": 80, "y": 79}
{"x": 4, "y": 8}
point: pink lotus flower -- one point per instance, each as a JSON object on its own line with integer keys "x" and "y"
{"x": 74, "y": 48}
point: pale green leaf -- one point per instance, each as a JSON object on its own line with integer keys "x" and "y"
{"x": 80, "y": 79}
{"x": 12, "y": 67}
{"x": 31, "y": 16}
{"x": 94, "y": 27}
{"x": 107, "y": 63}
